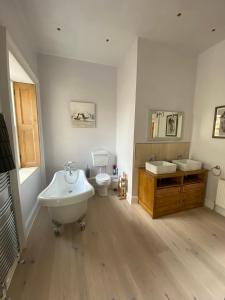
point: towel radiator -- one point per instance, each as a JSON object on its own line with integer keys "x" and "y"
{"x": 9, "y": 245}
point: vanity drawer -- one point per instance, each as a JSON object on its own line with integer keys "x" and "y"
{"x": 193, "y": 199}
{"x": 171, "y": 200}
{"x": 168, "y": 205}
{"x": 168, "y": 192}
{"x": 168, "y": 201}
{"x": 194, "y": 187}
{"x": 192, "y": 195}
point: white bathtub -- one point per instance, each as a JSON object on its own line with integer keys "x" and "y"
{"x": 66, "y": 197}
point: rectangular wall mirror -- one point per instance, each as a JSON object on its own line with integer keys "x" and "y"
{"x": 165, "y": 125}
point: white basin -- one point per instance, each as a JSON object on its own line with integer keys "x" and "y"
{"x": 160, "y": 167}
{"x": 188, "y": 164}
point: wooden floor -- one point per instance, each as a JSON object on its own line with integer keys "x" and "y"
{"x": 125, "y": 255}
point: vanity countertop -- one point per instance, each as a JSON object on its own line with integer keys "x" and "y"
{"x": 178, "y": 173}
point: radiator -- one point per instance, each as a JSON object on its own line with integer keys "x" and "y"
{"x": 9, "y": 245}
{"x": 220, "y": 197}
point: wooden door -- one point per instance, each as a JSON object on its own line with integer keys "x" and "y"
{"x": 27, "y": 124}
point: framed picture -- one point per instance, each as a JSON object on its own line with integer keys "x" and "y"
{"x": 83, "y": 114}
{"x": 171, "y": 125}
{"x": 219, "y": 122}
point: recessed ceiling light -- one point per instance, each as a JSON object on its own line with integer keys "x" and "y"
{"x": 213, "y": 30}
{"x": 179, "y": 14}
{"x": 59, "y": 29}
{"x": 107, "y": 40}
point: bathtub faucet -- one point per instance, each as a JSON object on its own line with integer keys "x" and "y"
{"x": 68, "y": 166}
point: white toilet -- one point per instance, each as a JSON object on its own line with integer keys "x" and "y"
{"x": 101, "y": 160}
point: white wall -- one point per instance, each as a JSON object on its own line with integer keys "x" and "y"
{"x": 19, "y": 70}
{"x": 29, "y": 191}
{"x": 63, "y": 80}
{"x": 21, "y": 43}
{"x": 16, "y": 72}
{"x": 165, "y": 80}
{"x": 152, "y": 75}
{"x": 11, "y": 16}
{"x": 126, "y": 97}
{"x": 210, "y": 92}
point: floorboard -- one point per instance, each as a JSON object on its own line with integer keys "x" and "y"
{"x": 124, "y": 255}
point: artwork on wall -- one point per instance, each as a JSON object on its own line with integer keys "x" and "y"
{"x": 219, "y": 122}
{"x": 83, "y": 114}
{"x": 171, "y": 125}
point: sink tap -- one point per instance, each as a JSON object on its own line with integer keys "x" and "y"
{"x": 179, "y": 156}
{"x": 152, "y": 158}
{"x": 68, "y": 166}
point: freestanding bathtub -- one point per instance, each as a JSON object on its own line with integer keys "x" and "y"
{"x": 66, "y": 198}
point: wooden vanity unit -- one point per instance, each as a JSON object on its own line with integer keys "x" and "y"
{"x": 165, "y": 194}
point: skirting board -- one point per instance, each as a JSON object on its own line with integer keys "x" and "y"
{"x": 9, "y": 277}
{"x": 220, "y": 210}
{"x": 132, "y": 199}
{"x": 209, "y": 203}
{"x": 11, "y": 272}
{"x": 30, "y": 220}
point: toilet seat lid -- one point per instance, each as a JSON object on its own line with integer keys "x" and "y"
{"x": 102, "y": 177}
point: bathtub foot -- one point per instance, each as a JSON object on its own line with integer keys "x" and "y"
{"x": 82, "y": 226}
{"x": 82, "y": 223}
{"x": 57, "y": 228}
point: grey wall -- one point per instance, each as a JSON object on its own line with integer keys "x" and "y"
{"x": 63, "y": 80}
{"x": 126, "y": 97}
{"x": 5, "y": 108}
{"x": 165, "y": 80}
{"x": 29, "y": 191}
{"x": 210, "y": 92}
{"x": 11, "y": 16}
{"x": 20, "y": 41}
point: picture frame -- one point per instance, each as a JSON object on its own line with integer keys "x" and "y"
{"x": 171, "y": 125}
{"x": 83, "y": 114}
{"x": 219, "y": 123}
{"x": 156, "y": 128}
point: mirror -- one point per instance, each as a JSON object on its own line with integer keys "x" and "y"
{"x": 165, "y": 125}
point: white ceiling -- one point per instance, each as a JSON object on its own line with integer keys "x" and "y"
{"x": 87, "y": 23}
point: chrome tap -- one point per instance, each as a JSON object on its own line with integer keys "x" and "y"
{"x": 68, "y": 166}
{"x": 153, "y": 157}
{"x": 179, "y": 156}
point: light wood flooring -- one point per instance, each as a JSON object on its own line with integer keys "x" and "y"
{"x": 125, "y": 255}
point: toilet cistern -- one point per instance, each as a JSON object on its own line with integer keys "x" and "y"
{"x": 100, "y": 160}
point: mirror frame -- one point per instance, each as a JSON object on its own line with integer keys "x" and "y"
{"x": 149, "y": 128}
